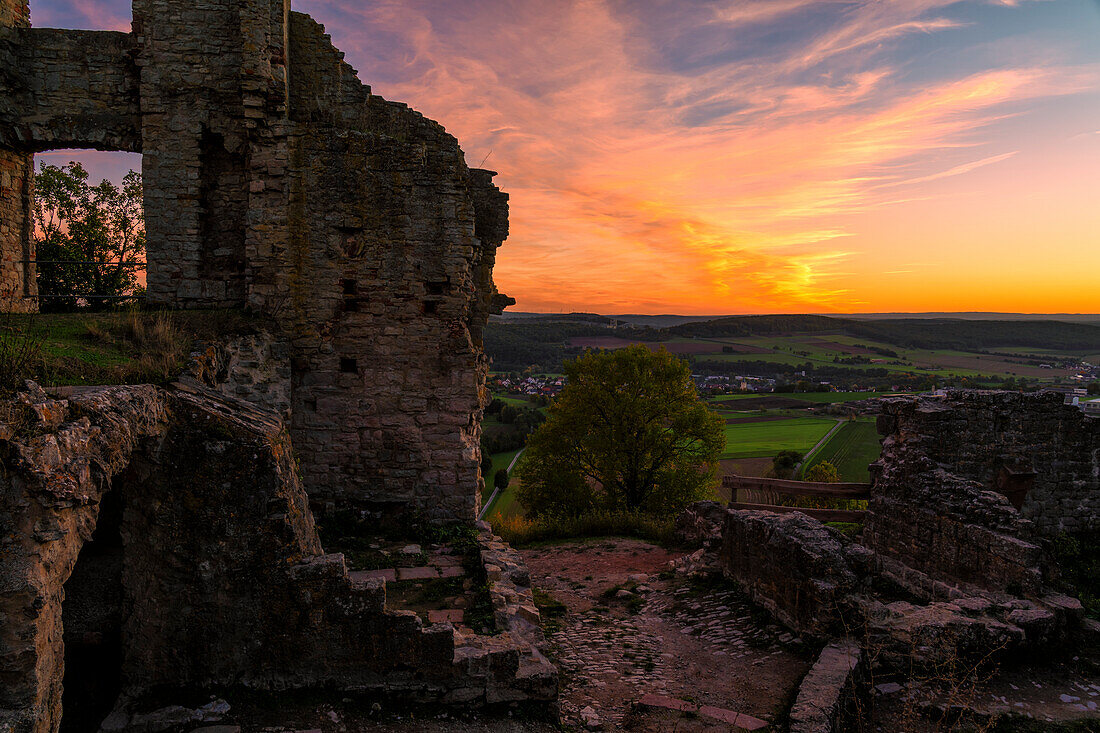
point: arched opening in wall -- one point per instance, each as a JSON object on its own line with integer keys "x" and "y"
{"x": 88, "y": 230}
{"x": 91, "y": 617}
{"x": 97, "y": 15}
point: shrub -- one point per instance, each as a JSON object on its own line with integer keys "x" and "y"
{"x": 500, "y": 480}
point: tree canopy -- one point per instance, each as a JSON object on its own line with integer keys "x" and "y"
{"x": 89, "y": 239}
{"x": 823, "y": 472}
{"x": 627, "y": 432}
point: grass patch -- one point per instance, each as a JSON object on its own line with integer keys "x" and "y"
{"x": 766, "y": 438}
{"x": 519, "y": 531}
{"x": 548, "y": 606}
{"x": 132, "y": 347}
{"x": 850, "y": 529}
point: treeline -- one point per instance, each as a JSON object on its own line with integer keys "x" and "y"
{"x": 962, "y": 335}
{"x": 917, "y": 333}
{"x": 522, "y": 343}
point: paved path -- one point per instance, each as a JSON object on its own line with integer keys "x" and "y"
{"x": 819, "y": 444}
{"x": 496, "y": 492}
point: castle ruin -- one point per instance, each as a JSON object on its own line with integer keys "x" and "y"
{"x": 158, "y": 539}
{"x": 275, "y": 180}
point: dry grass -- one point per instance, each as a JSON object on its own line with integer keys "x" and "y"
{"x": 131, "y": 347}
{"x": 519, "y": 531}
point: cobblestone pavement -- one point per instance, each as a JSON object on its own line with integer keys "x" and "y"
{"x": 632, "y": 630}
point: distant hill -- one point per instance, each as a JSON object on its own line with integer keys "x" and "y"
{"x": 923, "y": 333}
{"x": 1091, "y": 318}
{"x": 517, "y": 341}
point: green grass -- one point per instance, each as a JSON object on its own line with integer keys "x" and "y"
{"x": 505, "y": 505}
{"x": 850, "y": 449}
{"x": 500, "y": 460}
{"x": 748, "y": 440}
{"x": 116, "y": 347}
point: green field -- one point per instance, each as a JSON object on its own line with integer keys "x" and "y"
{"x": 500, "y": 460}
{"x": 505, "y": 503}
{"x": 766, "y": 438}
{"x": 850, "y": 449}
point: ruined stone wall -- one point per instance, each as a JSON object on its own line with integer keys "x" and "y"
{"x": 252, "y": 367}
{"x": 799, "y": 570}
{"x": 275, "y": 179}
{"x": 939, "y": 501}
{"x": 223, "y": 579}
{"x": 73, "y": 89}
{"x": 974, "y": 435}
{"x": 386, "y": 273}
{"x": 16, "y": 178}
{"x": 212, "y": 73}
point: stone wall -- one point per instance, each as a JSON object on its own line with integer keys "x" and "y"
{"x": 251, "y": 367}
{"x": 213, "y": 97}
{"x": 801, "y": 571}
{"x": 985, "y": 436}
{"x": 945, "y": 565}
{"x": 75, "y": 89}
{"x": 16, "y": 180}
{"x": 275, "y": 179}
{"x": 222, "y": 578}
{"x": 389, "y": 285}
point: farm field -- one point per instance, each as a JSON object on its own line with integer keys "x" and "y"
{"x": 768, "y": 437}
{"x": 851, "y": 450}
{"x": 823, "y": 348}
{"x": 821, "y": 398}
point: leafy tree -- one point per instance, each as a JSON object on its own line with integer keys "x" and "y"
{"x": 783, "y": 464}
{"x": 78, "y": 223}
{"x": 823, "y": 472}
{"x": 500, "y": 479}
{"x": 628, "y": 431}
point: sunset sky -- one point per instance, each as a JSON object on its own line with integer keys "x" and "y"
{"x": 753, "y": 156}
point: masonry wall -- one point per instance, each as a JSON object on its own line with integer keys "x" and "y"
{"x": 16, "y": 179}
{"x": 974, "y": 435}
{"x": 211, "y": 74}
{"x": 72, "y": 89}
{"x": 274, "y": 179}
{"x": 223, "y": 577}
{"x": 386, "y": 274}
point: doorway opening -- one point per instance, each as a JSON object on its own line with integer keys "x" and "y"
{"x": 91, "y": 616}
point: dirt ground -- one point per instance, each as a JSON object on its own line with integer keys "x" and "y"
{"x": 631, "y": 629}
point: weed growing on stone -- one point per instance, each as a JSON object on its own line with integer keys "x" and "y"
{"x": 20, "y": 349}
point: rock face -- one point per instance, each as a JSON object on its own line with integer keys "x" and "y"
{"x": 275, "y": 180}
{"x": 161, "y": 539}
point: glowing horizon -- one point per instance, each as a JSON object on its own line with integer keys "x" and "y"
{"x": 778, "y": 156}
